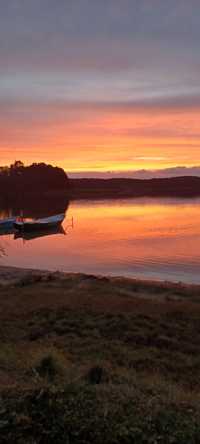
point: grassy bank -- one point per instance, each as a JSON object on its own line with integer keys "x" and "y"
{"x": 87, "y": 359}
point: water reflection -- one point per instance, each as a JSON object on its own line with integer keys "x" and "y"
{"x": 2, "y": 251}
{"x": 39, "y": 233}
{"x": 31, "y": 209}
{"x": 147, "y": 238}
{"x": 34, "y": 207}
{"x": 6, "y": 231}
{"x": 30, "y": 235}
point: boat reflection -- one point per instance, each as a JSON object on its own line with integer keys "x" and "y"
{"x": 30, "y": 235}
{"x": 7, "y": 231}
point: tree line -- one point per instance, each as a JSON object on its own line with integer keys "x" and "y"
{"x": 35, "y": 178}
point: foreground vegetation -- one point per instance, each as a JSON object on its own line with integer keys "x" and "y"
{"x": 97, "y": 360}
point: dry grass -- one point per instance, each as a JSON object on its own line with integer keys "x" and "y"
{"x": 120, "y": 343}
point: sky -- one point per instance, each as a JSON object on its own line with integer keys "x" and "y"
{"x": 97, "y": 86}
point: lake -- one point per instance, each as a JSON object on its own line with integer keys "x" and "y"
{"x": 145, "y": 238}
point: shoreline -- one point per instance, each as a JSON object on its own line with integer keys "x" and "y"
{"x": 11, "y": 275}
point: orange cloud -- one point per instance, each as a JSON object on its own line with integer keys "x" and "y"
{"x": 91, "y": 138}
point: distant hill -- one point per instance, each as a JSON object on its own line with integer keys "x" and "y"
{"x": 188, "y": 186}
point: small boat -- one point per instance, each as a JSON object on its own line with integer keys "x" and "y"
{"x": 7, "y": 224}
{"x": 38, "y": 224}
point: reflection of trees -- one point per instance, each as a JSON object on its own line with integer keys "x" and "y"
{"x": 34, "y": 206}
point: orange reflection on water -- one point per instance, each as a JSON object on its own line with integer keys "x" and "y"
{"x": 157, "y": 238}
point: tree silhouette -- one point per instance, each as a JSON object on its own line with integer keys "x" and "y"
{"x": 35, "y": 178}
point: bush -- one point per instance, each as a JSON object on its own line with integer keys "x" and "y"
{"x": 50, "y": 366}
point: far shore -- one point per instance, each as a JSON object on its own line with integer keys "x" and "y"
{"x": 185, "y": 187}
{"x": 78, "y": 189}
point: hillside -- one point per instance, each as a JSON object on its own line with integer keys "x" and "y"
{"x": 187, "y": 186}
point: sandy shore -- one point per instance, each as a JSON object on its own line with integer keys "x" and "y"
{"x": 11, "y": 275}
{"x": 27, "y": 290}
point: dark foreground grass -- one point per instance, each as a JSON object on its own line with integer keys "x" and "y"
{"x": 96, "y": 360}
{"x": 93, "y": 414}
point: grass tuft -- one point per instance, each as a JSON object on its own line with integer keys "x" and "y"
{"x": 97, "y": 375}
{"x": 50, "y": 365}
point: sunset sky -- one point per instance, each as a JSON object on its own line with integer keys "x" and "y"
{"x": 100, "y": 85}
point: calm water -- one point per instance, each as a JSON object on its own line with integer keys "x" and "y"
{"x": 147, "y": 238}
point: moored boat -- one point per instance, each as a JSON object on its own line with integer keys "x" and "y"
{"x": 39, "y": 224}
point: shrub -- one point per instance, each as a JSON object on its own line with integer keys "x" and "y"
{"x": 50, "y": 365}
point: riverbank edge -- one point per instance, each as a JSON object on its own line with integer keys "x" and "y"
{"x": 10, "y": 275}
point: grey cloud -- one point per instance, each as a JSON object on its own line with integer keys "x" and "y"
{"x": 22, "y": 110}
{"x": 121, "y": 55}
{"x": 35, "y": 32}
